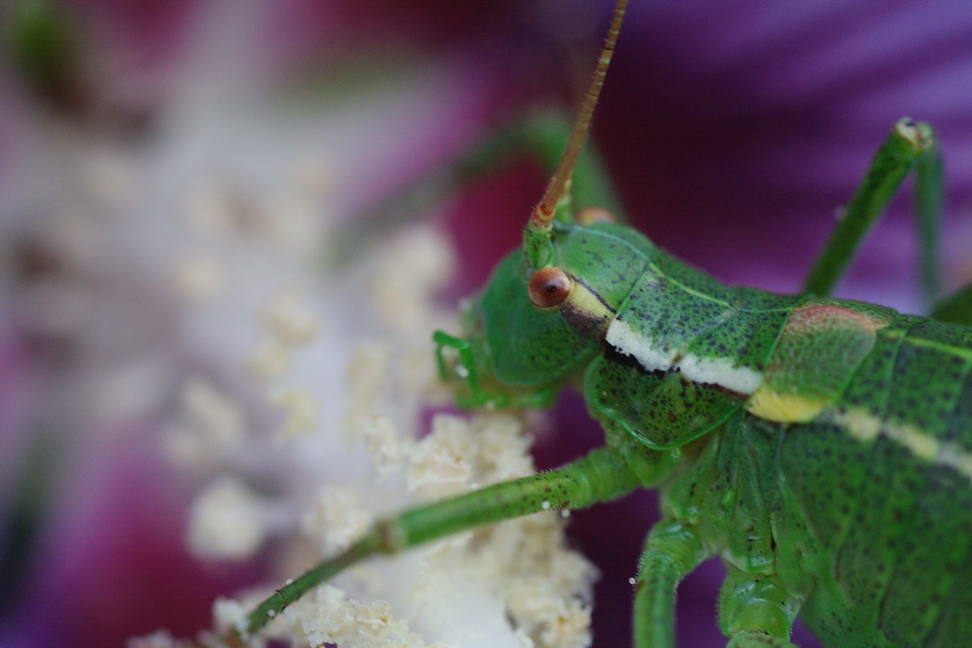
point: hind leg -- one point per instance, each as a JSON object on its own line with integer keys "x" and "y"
{"x": 910, "y": 147}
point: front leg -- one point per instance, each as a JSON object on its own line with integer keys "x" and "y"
{"x": 456, "y": 359}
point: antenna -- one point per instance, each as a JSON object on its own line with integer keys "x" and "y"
{"x": 537, "y": 233}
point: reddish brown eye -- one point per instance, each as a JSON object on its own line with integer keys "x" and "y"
{"x": 549, "y": 287}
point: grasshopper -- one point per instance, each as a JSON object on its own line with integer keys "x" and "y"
{"x": 821, "y": 447}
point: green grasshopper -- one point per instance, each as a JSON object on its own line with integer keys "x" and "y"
{"x": 821, "y": 447}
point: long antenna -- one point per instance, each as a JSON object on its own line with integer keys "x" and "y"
{"x": 543, "y": 214}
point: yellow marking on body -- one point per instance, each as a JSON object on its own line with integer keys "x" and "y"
{"x": 865, "y": 427}
{"x": 778, "y": 407}
{"x": 582, "y": 300}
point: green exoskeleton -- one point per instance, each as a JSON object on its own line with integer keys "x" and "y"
{"x": 821, "y": 447}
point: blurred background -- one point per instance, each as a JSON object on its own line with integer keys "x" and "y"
{"x": 167, "y": 167}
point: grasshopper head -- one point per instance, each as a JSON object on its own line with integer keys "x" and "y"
{"x": 546, "y": 309}
{"x": 531, "y": 330}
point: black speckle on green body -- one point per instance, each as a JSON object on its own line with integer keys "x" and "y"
{"x": 863, "y": 514}
{"x": 874, "y": 375}
{"x": 877, "y": 539}
{"x": 730, "y": 322}
{"x": 681, "y": 312}
{"x": 931, "y": 349}
{"x": 661, "y": 410}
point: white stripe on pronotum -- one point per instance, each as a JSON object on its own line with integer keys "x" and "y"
{"x": 713, "y": 371}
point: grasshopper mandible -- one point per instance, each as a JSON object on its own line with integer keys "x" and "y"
{"x": 821, "y": 447}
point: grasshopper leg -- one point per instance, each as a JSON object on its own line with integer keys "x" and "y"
{"x": 478, "y": 396}
{"x": 910, "y": 146}
{"x": 671, "y": 551}
{"x": 600, "y": 476}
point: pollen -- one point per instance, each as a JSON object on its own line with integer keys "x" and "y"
{"x": 438, "y": 466}
{"x": 337, "y": 519}
{"x": 269, "y": 360}
{"x": 404, "y": 299}
{"x": 211, "y": 425}
{"x": 226, "y": 521}
{"x": 366, "y": 375}
{"x": 302, "y": 411}
{"x": 348, "y": 622}
{"x": 197, "y": 277}
{"x": 385, "y": 444}
{"x": 288, "y": 319}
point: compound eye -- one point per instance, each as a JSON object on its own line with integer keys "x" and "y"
{"x": 549, "y": 287}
